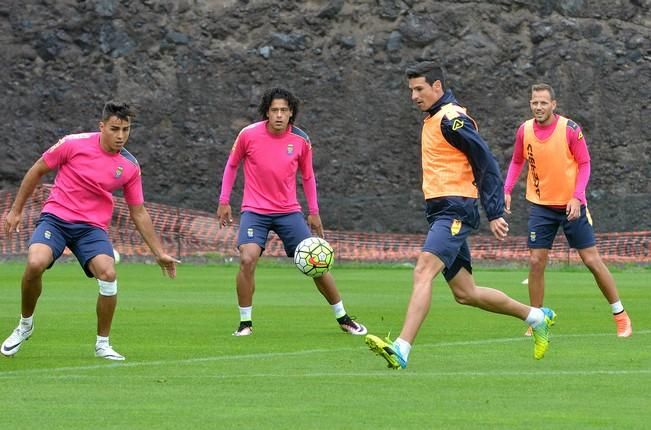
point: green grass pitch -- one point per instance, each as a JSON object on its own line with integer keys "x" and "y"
{"x": 469, "y": 369}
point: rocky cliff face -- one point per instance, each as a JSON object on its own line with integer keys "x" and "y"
{"x": 197, "y": 68}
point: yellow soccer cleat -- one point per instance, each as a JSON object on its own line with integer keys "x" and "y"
{"x": 387, "y": 350}
{"x": 541, "y": 334}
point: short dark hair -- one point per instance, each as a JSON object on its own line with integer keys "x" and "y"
{"x": 544, "y": 87}
{"x": 117, "y": 109}
{"x": 278, "y": 93}
{"x": 429, "y": 70}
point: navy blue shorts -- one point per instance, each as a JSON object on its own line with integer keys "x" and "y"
{"x": 447, "y": 240}
{"x": 544, "y": 222}
{"x": 291, "y": 228}
{"x": 84, "y": 240}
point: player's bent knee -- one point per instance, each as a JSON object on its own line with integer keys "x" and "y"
{"x": 248, "y": 260}
{"x": 107, "y": 288}
{"x": 37, "y": 264}
{"x": 106, "y": 273}
{"x": 464, "y": 299}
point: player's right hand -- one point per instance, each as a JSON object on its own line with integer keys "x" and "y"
{"x": 507, "y": 203}
{"x": 315, "y": 224}
{"x": 224, "y": 215}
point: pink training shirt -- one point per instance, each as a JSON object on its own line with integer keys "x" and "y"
{"x": 88, "y": 175}
{"x": 270, "y": 165}
{"x": 578, "y": 148}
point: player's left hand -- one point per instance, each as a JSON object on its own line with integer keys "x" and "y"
{"x": 314, "y": 221}
{"x": 573, "y": 209}
{"x": 499, "y": 228}
{"x": 168, "y": 265}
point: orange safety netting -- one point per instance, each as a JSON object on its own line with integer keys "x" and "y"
{"x": 186, "y": 232}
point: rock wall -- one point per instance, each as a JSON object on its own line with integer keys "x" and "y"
{"x": 196, "y": 70}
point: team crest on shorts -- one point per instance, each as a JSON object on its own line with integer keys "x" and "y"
{"x": 290, "y": 149}
{"x": 118, "y": 172}
{"x": 249, "y": 233}
{"x": 47, "y": 234}
{"x": 532, "y": 236}
{"x": 455, "y": 228}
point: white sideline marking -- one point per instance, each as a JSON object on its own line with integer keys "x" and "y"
{"x": 106, "y": 364}
{"x": 377, "y": 374}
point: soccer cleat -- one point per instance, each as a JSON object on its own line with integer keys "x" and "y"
{"x": 245, "y": 329}
{"x": 387, "y": 350}
{"x": 105, "y": 350}
{"x": 349, "y": 325}
{"x": 623, "y": 322}
{"x": 12, "y": 344}
{"x": 541, "y": 334}
{"x": 528, "y": 332}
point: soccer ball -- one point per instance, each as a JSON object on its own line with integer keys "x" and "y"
{"x": 314, "y": 257}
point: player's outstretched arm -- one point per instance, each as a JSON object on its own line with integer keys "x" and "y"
{"x": 145, "y": 227}
{"x": 30, "y": 181}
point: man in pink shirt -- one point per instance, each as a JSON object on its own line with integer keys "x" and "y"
{"x": 559, "y": 170}
{"x": 77, "y": 214}
{"x": 272, "y": 151}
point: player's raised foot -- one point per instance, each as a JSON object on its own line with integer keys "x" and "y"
{"x": 104, "y": 350}
{"x": 245, "y": 329}
{"x": 387, "y": 350}
{"x": 528, "y": 333}
{"x": 623, "y": 322}
{"x": 349, "y": 325}
{"x": 541, "y": 333}
{"x": 12, "y": 344}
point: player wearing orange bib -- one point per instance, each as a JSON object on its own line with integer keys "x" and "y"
{"x": 459, "y": 171}
{"x": 559, "y": 170}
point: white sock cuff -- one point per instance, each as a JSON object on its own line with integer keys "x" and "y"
{"x": 245, "y": 313}
{"x": 617, "y": 307}
{"x": 338, "y": 309}
{"x": 403, "y": 346}
{"x": 536, "y": 316}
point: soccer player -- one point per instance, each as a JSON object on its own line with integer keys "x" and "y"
{"x": 77, "y": 214}
{"x": 272, "y": 151}
{"x": 559, "y": 170}
{"x": 458, "y": 168}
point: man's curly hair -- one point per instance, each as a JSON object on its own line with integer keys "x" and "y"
{"x": 279, "y": 93}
